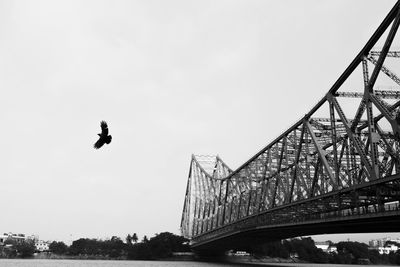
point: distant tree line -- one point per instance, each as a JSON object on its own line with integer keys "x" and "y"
{"x": 158, "y": 247}
{"x": 347, "y": 252}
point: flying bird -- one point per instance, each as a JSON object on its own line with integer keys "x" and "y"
{"x": 104, "y": 137}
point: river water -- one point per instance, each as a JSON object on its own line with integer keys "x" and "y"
{"x": 96, "y": 263}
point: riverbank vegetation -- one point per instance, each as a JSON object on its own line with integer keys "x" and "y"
{"x": 304, "y": 249}
{"x": 160, "y": 246}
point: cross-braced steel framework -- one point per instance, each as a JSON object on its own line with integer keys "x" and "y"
{"x": 341, "y": 160}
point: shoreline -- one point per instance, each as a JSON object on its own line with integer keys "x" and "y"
{"x": 52, "y": 256}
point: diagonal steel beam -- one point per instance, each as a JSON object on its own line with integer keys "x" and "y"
{"x": 385, "y": 50}
{"x": 322, "y": 155}
{"x": 278, "y": 172}
{"x": 373, "y": 135}
{"x": 264, "y": 176}
{"x": 387, "y": 113}
{"x": 356, "y": 140}
{"x": 315, "y": 178}
{"x": 296, "y": 162}
{"x": 385, "y": 70}
{"x": 334, "y": 142}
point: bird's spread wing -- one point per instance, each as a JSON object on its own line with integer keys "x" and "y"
{"x": 104, "y": 128}
{"x": 99, "y": 143}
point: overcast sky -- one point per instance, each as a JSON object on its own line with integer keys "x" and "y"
{"x": 171, "y": 78}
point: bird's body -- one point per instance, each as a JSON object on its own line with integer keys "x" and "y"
{"x": 104, "y": 137}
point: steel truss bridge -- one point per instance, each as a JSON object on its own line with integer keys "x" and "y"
{"x": 337, "y": 170}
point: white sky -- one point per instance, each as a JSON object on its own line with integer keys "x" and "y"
{"x": 171, "y": 78}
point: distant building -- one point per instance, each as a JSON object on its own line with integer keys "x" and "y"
{"x": 384, "y": 245}
{"x": 373, "y": 243}
{"x": 13, "y": 237}
{"x": 388, "y": 249}
{"x": 326, "y": 247}
{"x": 34, "y": 238}
{"x": 382, "y": 242}
{"x": 18, "y": 238}
{"x": 42, "y": 246}
{"x": 322, "y": 245}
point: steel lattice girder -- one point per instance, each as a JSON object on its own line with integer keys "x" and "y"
{"x": 319, "y": 167}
